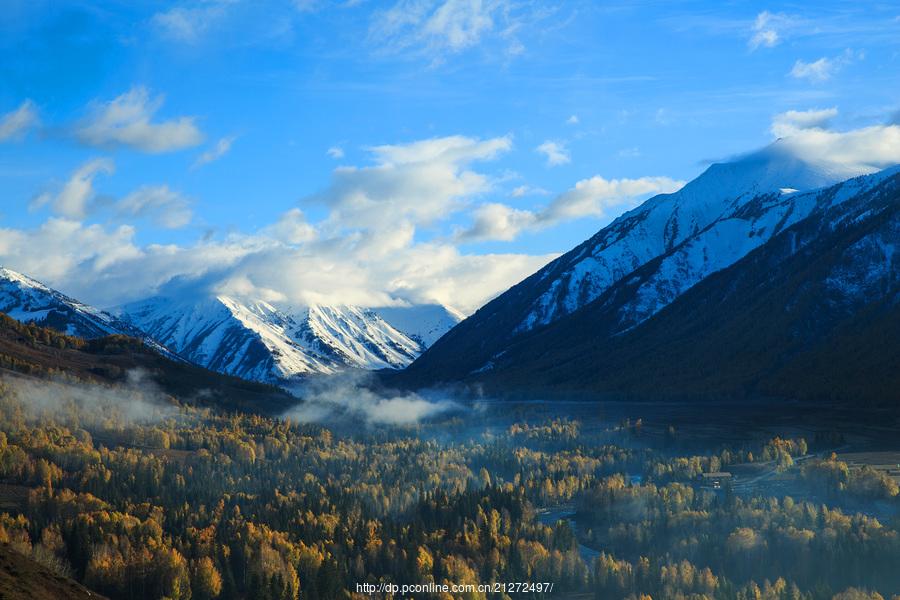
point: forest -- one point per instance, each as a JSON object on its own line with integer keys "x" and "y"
{"x": 141, "y": 497}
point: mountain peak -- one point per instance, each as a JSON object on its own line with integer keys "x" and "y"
{"x": 30, "y": 301}
{"x": 647, "y": 258}
{"x": 256, "y": 339}
{"x": 9, "y": 275}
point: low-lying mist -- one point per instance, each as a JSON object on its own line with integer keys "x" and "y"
{"x": 137, "y": 401}
{"x": 351, "y": 396}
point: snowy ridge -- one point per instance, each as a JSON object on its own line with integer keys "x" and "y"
{"x": 666, "y": 221}
{"x": 425, "y": 323}
{"x": 30, "y": 301}
{"x": 256, "y": 340}
{"x": 730, "y": 238}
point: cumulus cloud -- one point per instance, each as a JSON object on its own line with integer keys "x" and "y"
{"x": 556, "y": 153}
{"x": 335, "y": 152}
{"x": 16, "y": 124}
{"x": 788, "y": 123}
{"x": 74, "y": 199}
{"x": 222, "y": 147}
{"x": 77, "y": 199}
{"x": 70, "y": 254}
{"x": 824, "y": 68}
{"x": 496, "y": 221}
{"x": 572, "y": 120}
{"x": 600, "y": 197}
{"x": 166, "y": 207}
{"x": 291, "y": 228}
{"x": 365, "y": 250}
{"x": 594, "y": 197}
{"x": 107, "y": 266}
{"x": 809, "y": 135}
{"x": 410, "y": 185}
{"x": 127, "y": 121}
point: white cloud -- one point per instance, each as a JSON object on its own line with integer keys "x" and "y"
{"x": 106, "y": 267}
{"x": 594, "y": 197}
{"x": 527, "y": 190}
{"x": 409, "y": 186}
{"x": 350, "y": 395}
{"x": 572, "y": 120}
{"x": 768, "y": 28}
{"x": 222, "y": 147}
{"x": 77, "y": 199}
{"x": 73, "y": 200}
{"x": 15, "y": 124}
{"x": 816, "y": 71}
{"x": 604, "y": 198}
{"x": 824, "y": 68}
{"x": 189, "y": 22}
{"x": 291, "y": 228}
{"x": 365, "y": 251}
{"x": 335, "y": 152}
{"x": 441, "y": 27}
{"x": 126, "y": 121}
{"x": 555, "y": 152}
{"x": 788, "y": 123}
{"x": 167, "y": 208}
{"x": 496, "y": 221}
{"x": 67, "y": 252}
{"x": 863, "y": 150}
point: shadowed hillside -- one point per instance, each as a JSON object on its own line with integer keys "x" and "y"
{"x": 21, "y": 578}
{"x": 812, "y": 314}
{"x": 44, "y": 352}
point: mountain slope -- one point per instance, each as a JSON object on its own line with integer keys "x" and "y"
{"x": 22, "y": 578}
{"x": 813, "y": 313}
{"x": 43, "y": 352}
{"x": 425, "y": 323}
{"x": 713, "y": 221}
{"x": 257, "y": 341}
{"x": 30, "y": 301}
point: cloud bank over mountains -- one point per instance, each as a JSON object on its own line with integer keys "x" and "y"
{"x": 365, "y": 250}
{"x": 397, "y": 229}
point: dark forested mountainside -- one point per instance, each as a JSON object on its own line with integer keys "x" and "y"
{"x": 42, "y": 351}
{"x": 811, "y": 314}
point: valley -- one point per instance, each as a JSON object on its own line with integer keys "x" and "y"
{"x": 449, "y": 300}
{"x": 602, "y": 499}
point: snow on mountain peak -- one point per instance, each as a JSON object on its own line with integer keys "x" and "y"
{"x": 425, "y": 323}
{"x": 667, "y": 220}
{"x": 257, "y": 340}
{"x": 30, "y": 301}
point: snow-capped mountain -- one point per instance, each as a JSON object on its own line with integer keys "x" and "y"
{"x": 813, "y": 313}
{"x": 668, "y": 244}
{"x": 724, "y": 242}
{"x": 425, "y": 323}
{"x": 246, "y": 338}
{"x": 667, "y": 220}
{"x": 256, "y": 340}
{"x": 30, "y": 301}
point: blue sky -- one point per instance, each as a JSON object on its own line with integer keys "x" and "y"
{"x": 379, "y": 152}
